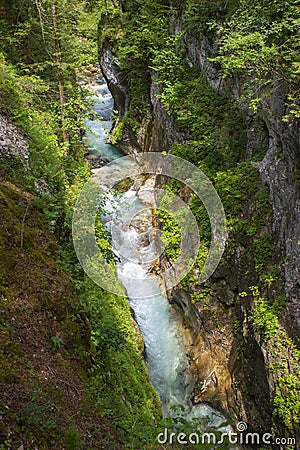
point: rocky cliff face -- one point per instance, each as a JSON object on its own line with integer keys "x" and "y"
{"x": 116, "y": 80}
{"x": 158, "y": 131}
{"x": 230, "y": 362}
{"x": 279, "y": 168}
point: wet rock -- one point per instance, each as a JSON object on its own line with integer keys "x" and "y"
{"x": 146, "y": 191}
{"x": 183, "y": 301}
{"x": 279, "y": 141}
{"x": 223, "y": 292}
{"x": 116, "y": 79}
{"x": 199, "y": 52}
{"x": 141, "y": 221}
{"x": 96, "y": 161}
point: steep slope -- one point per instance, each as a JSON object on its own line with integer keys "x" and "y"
{"x": 43, "y": 376}
{"x": 72, "y": 372}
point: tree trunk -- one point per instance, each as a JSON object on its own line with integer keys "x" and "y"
{"x": 60, "y": 76}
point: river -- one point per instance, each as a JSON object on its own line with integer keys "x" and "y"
{"x": 135, "y": 247}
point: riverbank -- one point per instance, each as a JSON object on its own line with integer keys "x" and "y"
{"x": 72, "y": 372}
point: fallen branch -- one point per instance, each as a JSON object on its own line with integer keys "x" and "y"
{"x": 208, "y": 380}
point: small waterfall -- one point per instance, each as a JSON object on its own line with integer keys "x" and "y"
{"x": 136, "y": 250}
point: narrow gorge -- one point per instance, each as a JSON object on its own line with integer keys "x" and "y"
{"x": 129, "y": 220}
{"x": 103, "y": 351}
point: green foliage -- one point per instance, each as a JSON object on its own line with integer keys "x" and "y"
{"x": 265, "y": 317}
{"x": 118, "y": 133}
{"x": 62, "y": 174}
{"x": 271, "y": 276}
{"x": 120, "y": 383}
{"x": 287, "y": 400}
{"x": 6, "y": 444}
{"x": 47, "y": 43}
{"x": 202, "y": 217}
{"x": 134, "y": 29}
{"x": 192, "y": 278}
{"x": 167, "y": 61}
{"x": 263, "y": 250}
{"x": 261, "y": 39}
{"x": 47, "y": 157}
{"x": 33, "y": 28}
{"x": 215, "y": 125}
{"x": 200, "y": 15}
{"x": 104, "y": 240}
{"x": 247, "y": 50}
{"x": 97, "y": 331}
{"x": 144, "y": 28}
{"x": 72, "y": 438}
{"x": 55, "y": 343}
{"x": 200, "y": 296}
{"x": 266, "y": 314}
{"x": 236, "y": 324}
{"x": 171, "y": 234}
{"x": 35, "y": 419}
{"x": 230, "y": 186}
{"x": 139, "y": 30}
{"x": 259, "y": 43}
{"x": 106, "y": 336}
{"x": 236, "y": 187}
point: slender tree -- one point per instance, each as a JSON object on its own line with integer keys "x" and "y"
{"x": 60, "y": 75}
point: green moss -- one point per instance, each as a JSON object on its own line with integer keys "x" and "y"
{"x": 263, "y": 250}
{"x": 286, "y": 399}
{"x": 62, "y": 351}
{"x": 120, "y": 382}
{"x": 118, "y": 133}
{"x": 171, "y": 235}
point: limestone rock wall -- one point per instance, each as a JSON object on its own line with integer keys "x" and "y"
{"x": 279, "y": 168}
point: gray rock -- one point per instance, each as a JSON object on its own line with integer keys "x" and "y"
{"x": 13, "y": 144}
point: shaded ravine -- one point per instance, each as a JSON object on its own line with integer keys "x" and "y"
{"x": 135, "y": 247}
